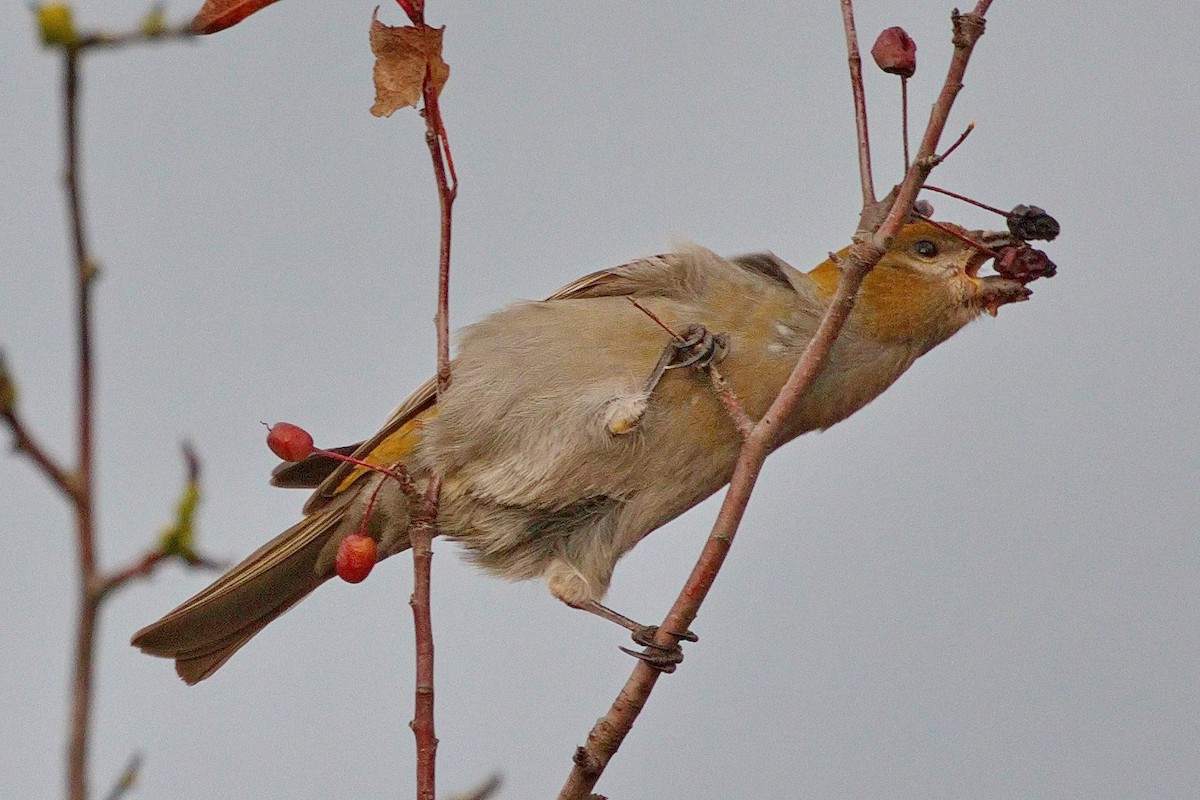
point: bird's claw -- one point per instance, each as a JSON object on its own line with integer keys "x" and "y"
{"x": 663, "y": 657}
{"x": 696, "y": 347}
{"x": 644, "y": 635}
{"x": 662, "y": 661}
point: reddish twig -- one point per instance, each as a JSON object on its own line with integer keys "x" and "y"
{"x": 967, "y": 30}
{"x": 439, "y": 151}
{"x": 962, "y": 137}
{"x": 424, "y": 526}
{"x": 967, "y": 240}
{"x": 966, "y": 199}
{"x": 860, "y": 104}
{"x": 606, "y": 736}
{"x": 733, "y": 406}
{"x": 421, "y": 534}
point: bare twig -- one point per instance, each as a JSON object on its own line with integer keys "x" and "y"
{"x": 962, "y": 137}
{"x": 424, "y": 526}
{"x": 483, "y": 791}
{"x": 966, "y": 199}
{"x": 421, "y": 534}
{"x": 78, "y": 484}
{"x": 81, "y": 699}
{"x": 733, "y": 407}
{"x": 24, "y": 442}
{"x": 127, "y": 779}
{"x": 860, "y": 104}
{"x": 606, "y": 736}
{"x": 102, "y": 39}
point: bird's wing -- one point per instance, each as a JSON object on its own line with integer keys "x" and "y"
{"x": 666, "y": 275}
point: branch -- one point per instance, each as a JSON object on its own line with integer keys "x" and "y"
{"x": 860, "y": 104}
{"x": 58, "y": 31}
{"x": 77, "y": 752}
{"x": 424, "y": 527}
{"x": 606, "y": 736}
{"x": 23, "y": 442}
{"x": 57, "y": 28}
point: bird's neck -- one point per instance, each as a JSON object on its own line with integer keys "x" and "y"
{"x": 899, "y": 306}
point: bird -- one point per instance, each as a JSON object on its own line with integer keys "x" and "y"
{"x": 566, "y": 433}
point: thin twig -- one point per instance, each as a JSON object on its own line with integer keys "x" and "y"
{"x": 98, "y": 40}
{"x": 78, "y": 484}
{"x": 962, "y": 137}
{"x": 81, "y": 699}
{"x": 966, "y": 199}
{"x": 967, "y": 30}
{"x": 421, "y": 534}
{"x": 860, "y": 104}
{"x": 967, "y": 240}
{"x": 484, "y": 791}
{"x": 733, "y": 406}
{"x": 127, "y": 779}
{"x": 24, "y": 442}
{"x": 904, "y": 117}
{"x": 606, "y": 736}
{"x": 424, "y": 526}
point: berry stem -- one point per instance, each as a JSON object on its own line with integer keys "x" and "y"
{"x": 965, "y": 199}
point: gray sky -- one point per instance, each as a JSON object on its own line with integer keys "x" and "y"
{"x": 983, "y": 585}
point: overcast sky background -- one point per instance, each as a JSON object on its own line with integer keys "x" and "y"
{"x": 984, "y": 585}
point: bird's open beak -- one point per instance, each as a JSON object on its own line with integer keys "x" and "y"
{"x": 994, "y": 290}
{"x": 992, "y": 240}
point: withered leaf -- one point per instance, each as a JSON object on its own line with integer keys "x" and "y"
{"x": 217, "y": 15}
{"x": 401, "y": 57}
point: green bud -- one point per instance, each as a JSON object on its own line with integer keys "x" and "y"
{"x": 56, "y": 23}
{"x": 154, "y": 23}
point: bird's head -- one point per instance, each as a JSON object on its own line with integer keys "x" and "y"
{"x": 927, "y": 285}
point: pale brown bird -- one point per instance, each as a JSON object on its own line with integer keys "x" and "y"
{"x": 557, "y": 452}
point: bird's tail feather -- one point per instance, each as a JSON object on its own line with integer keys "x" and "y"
{"x": 205, "y": 631}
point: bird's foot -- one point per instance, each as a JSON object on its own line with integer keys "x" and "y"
{"x": 663, "y": 658}
{"x": 694, "y": 347}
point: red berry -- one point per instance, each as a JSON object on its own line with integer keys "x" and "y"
{"x": 289, "y": 442}
{"x": 355, "y": 557}
{"x": 895, "y": 52}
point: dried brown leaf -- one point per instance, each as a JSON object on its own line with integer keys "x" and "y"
{"x": 217, "y": 15}
{"x": 402, "y": 56}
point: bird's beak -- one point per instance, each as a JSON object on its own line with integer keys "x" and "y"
{"x": 994, "y": 290}
{"x": 992, "y": 241}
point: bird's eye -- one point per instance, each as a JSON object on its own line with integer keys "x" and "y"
{"x": 925, "y": 248}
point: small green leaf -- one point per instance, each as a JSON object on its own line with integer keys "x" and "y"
{"x": 179, "y": 538}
